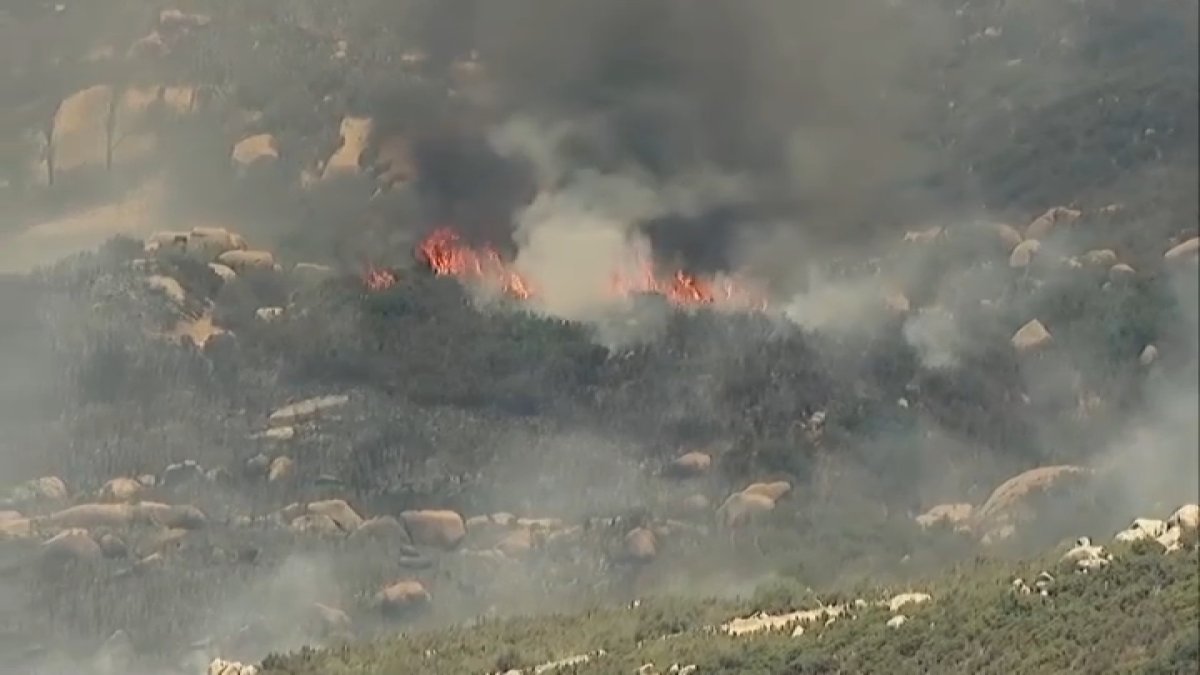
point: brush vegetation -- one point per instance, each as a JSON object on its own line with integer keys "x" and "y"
{"x": 1140, "y": 615}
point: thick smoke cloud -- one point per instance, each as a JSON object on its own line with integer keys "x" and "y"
{"x": 817, "y": 108}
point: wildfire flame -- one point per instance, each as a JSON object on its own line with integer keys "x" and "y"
{"x": 683, "y": 288}
{"x": 446, "y": 255}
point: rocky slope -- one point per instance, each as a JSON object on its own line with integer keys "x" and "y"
{"x": 289, "y": 410}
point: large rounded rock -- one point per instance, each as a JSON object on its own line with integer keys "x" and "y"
{"x": 401, "y": 597}
{"x": 438, "y": 528}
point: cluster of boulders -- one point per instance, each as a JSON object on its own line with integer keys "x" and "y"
{"x": 1177, "y": 531}
{"x": 223, "y": 667}
{"x": 228, "y": 257}
{"x": 1026, "y": 253}
{"x": 1007, "y": 507}
{"x": 798, "y": 620}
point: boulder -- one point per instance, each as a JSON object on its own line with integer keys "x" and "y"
{"x": 242, "y": 260}
{"x": 113, "y": 546}
{"x": 741, "y": 507}
{"x": 1031, "y": 336}
{"x": 1048, "y": 221}
{"x": 1120, "y": 273}
{"x": 46, "y": 488}
{"x": 282, "y": 468}
{"x": 339, "y": 512}
{"x": 306, "y": 409}
{"x": 89, "y": 516}
{"x": 1012, "y": 494}
{"x": 1103, "y": 257}
{"x": 1188, "y": 249}
{"x": 172, "y": 516}
{"x": 402, "y": 596}
{"x": 277, "y": 434}
{"x": 121, "y": 490}
{"x": 168, "y": 287}
{"x": 1148, "y": 356}
{"x": 208, "y": 243}
{"x": 903, "y": 599}
{"x": 773, "y": 491}
{"x": 80, "y": 134}
{"x": 252, "y": 149}
{"x": 315, "y": 524}
{"x": 174, "y": 18}
{"x": 166, "y": 241}
{"x": 689, "y": 465}
{"x": 1022, "y": 254}
{"x": 223, "y": 667}
{"x": 347, "y": 159}
{"x": 956, "y": 515}
{"x": 16, "y": 528}
{"x": 384, "y": 529}
{"x": 225, "y": 272}
{"x": 641, "y": 545}
{"x": 438, "y": 528}
{"x": 71, "y": 544}
{"x": 268, "y": 314}
{"x": 1186, "y": 518}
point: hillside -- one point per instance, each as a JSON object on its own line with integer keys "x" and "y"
{"x": 1138, "y": 616}
{"x": 327, "y": 321}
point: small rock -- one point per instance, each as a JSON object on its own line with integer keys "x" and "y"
{"x": 1031, "y": 336}
{"x": 1120, "y": 273}
{"x": 897, "y": 621}
{"x": 282, "y": 468}
{"x": 1148, "y": 356}
{"x": 306, "y": 409}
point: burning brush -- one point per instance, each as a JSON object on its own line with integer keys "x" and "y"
{"x": 446, "y": 254}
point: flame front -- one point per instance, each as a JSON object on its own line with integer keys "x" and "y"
{"x": 446, "y": 255}
{"x": 683, "y": 288}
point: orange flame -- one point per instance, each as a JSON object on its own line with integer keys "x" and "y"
{"x": 683, "y": 288}
{"x": 446, "y": 255}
